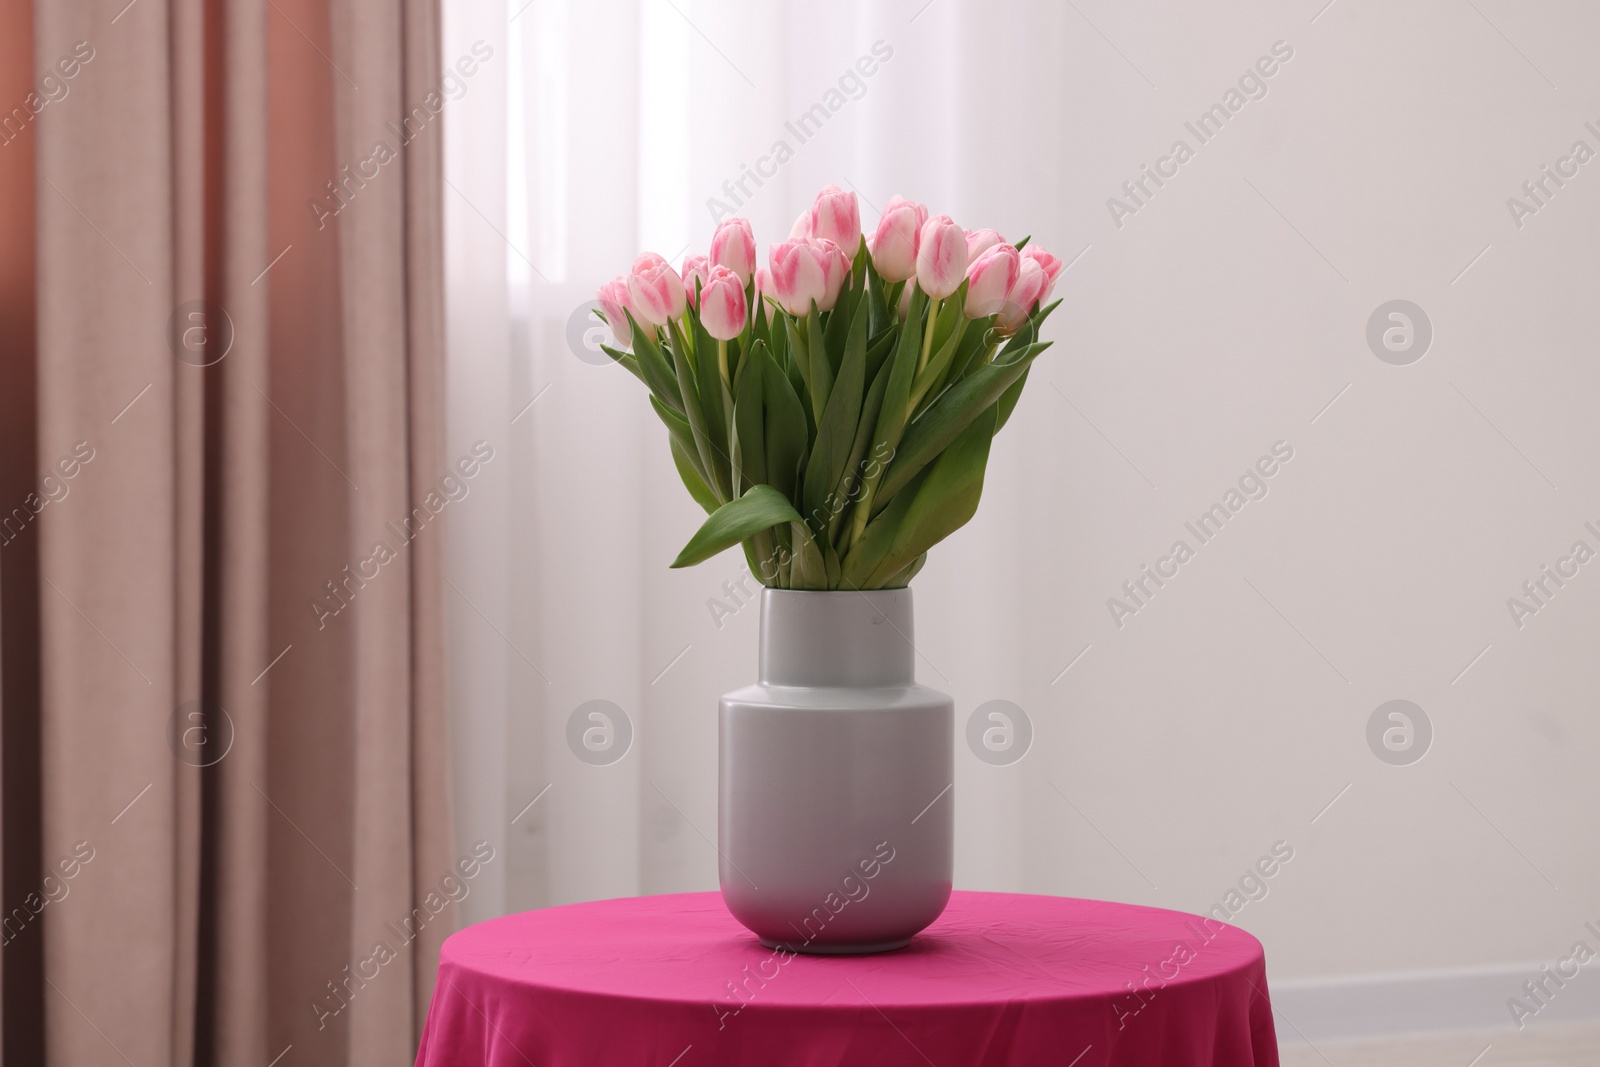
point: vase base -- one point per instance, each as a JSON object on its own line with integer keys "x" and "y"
{"x": 836, "y": 950}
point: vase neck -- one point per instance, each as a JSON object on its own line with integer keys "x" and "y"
{"x": 837, "y": 639}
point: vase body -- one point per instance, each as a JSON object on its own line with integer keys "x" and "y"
{"x": 835, "y": 803}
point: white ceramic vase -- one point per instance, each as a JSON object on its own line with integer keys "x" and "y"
{"x": 836, "y": 801}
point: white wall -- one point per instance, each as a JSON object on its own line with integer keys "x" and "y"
{"x": 1222, "y": 317}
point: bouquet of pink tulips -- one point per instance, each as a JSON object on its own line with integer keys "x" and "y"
{"x": 833, "y": 410}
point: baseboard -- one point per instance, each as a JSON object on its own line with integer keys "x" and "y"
{"x": 1386, "y": 1005}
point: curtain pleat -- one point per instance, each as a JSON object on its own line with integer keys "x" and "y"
{"x": 22, "y": 955}
{"x": 423, "y": 301}
{"x": 234, "y": 990}
{"x": 110, "y": 605}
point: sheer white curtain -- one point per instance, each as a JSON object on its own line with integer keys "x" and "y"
{"x": 1173, "y": 749}
{"x": 636, "y": 124}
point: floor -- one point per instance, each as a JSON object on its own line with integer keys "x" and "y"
{"x": 1548, "y": 1046}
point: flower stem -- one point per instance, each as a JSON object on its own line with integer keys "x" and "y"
{"x": 927, "y": 336}
{"x": 727, "y": 392}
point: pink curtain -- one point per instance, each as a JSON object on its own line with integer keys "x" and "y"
{"x": 239, "y": 807}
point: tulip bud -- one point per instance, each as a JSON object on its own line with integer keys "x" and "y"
{"x": 1050, "y": 265}
{"x": 836, "y": 217}
{"x": 763, "y": 283}
{"x": 695, "y": 268}
{"x": 655, "y": 290}
{"x": 734, "y": 246}
{"x": 614, "y": 301}
{"x": 894, "y": 242}
{"x": 835, "y": 269}
{"x": 990, "y": 279}
{"x": 722, "y": 306}
{"x": 904, "y": 310}
{"x": 1023, "y": 297}
{"x": 979, "y": 242}
{"x": 941, "y": 257}
{"x": 801, "y": 227}
{"x": 799, "y": 275}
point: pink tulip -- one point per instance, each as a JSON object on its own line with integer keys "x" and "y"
{"x": 1023, "y": 297}
{"x": 734, "y": 246}
{"x": 836, "y": 216}
{"x": 941, "y": 257}
{"x": 722, "y": 306}
{"x": 695, "y": 268}
{"x": 979, "y": 242}
{"x": 655, "y": 290}
{"x": 763, "y": 282}
{"x": 990, "y": 279}
{"x": 614, "y": 301}
{"x": 801, "y": 227}
{"x": 904, "y": 309}
{"x": 799, "y": 275}
{"x": 1050, "y": 265}
{"x": 894, "y": 243}
{"x": 835, "y": 269}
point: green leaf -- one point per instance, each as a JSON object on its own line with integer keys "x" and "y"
{"x": 799, "y": 353}
{"x": 892, "y": 292}
{"x": 880, "y": 315}
{"x": 933, "y": 374}
{"x": 1043, "y": 313}
{"x": 708, "y": 384}
{"x": 842, "y": 318}
{"x": 752, "y": 554}
{"x": 627, "y": 359}
{"x": 714, "y": 465}
{"x": 880, "y": 346}
{"x": 775, "y": 567}
{"x": 762, "y": 319}
{"x": 834, "y": 328}
{"x": 1026, "y": 334}
{"x": 853, "y": 480}
{"x": 759, "y": 319}
{"x": 1025, "y": 354}
{"x": 947, "y": 417}
{"x": 807, "y": 568}
{"x": 872, "y": 544}
{"x": 836, "y": 430}
{"x": 895, "y": 410}
{"x": 658, "y": 374}
{"x": 680, "y": 431}
{"x": 944, "y": 501}
{"x": 787, "y": 433}
{"x": 739, "y": 355}
{"x": 979, "y": 340}
{"x": 683, "y": 459}
{"x": 908, "y": 572}
{"x": 749, "y": 425}
{"x": 746, "y": 336}
{"x": 1008, "y": 400}
{"x": 952, "y": 314}
{"x": 821, "y": 379}
{"x": 759, "y": 509}
{"x": 761, "y": 554}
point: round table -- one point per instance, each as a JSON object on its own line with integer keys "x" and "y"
{"x": 1000, "y": 978}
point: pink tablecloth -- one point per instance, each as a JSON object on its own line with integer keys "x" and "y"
{"x": 674, "y": 981}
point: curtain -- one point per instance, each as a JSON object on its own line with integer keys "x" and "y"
{"x": 234, "y": 780}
